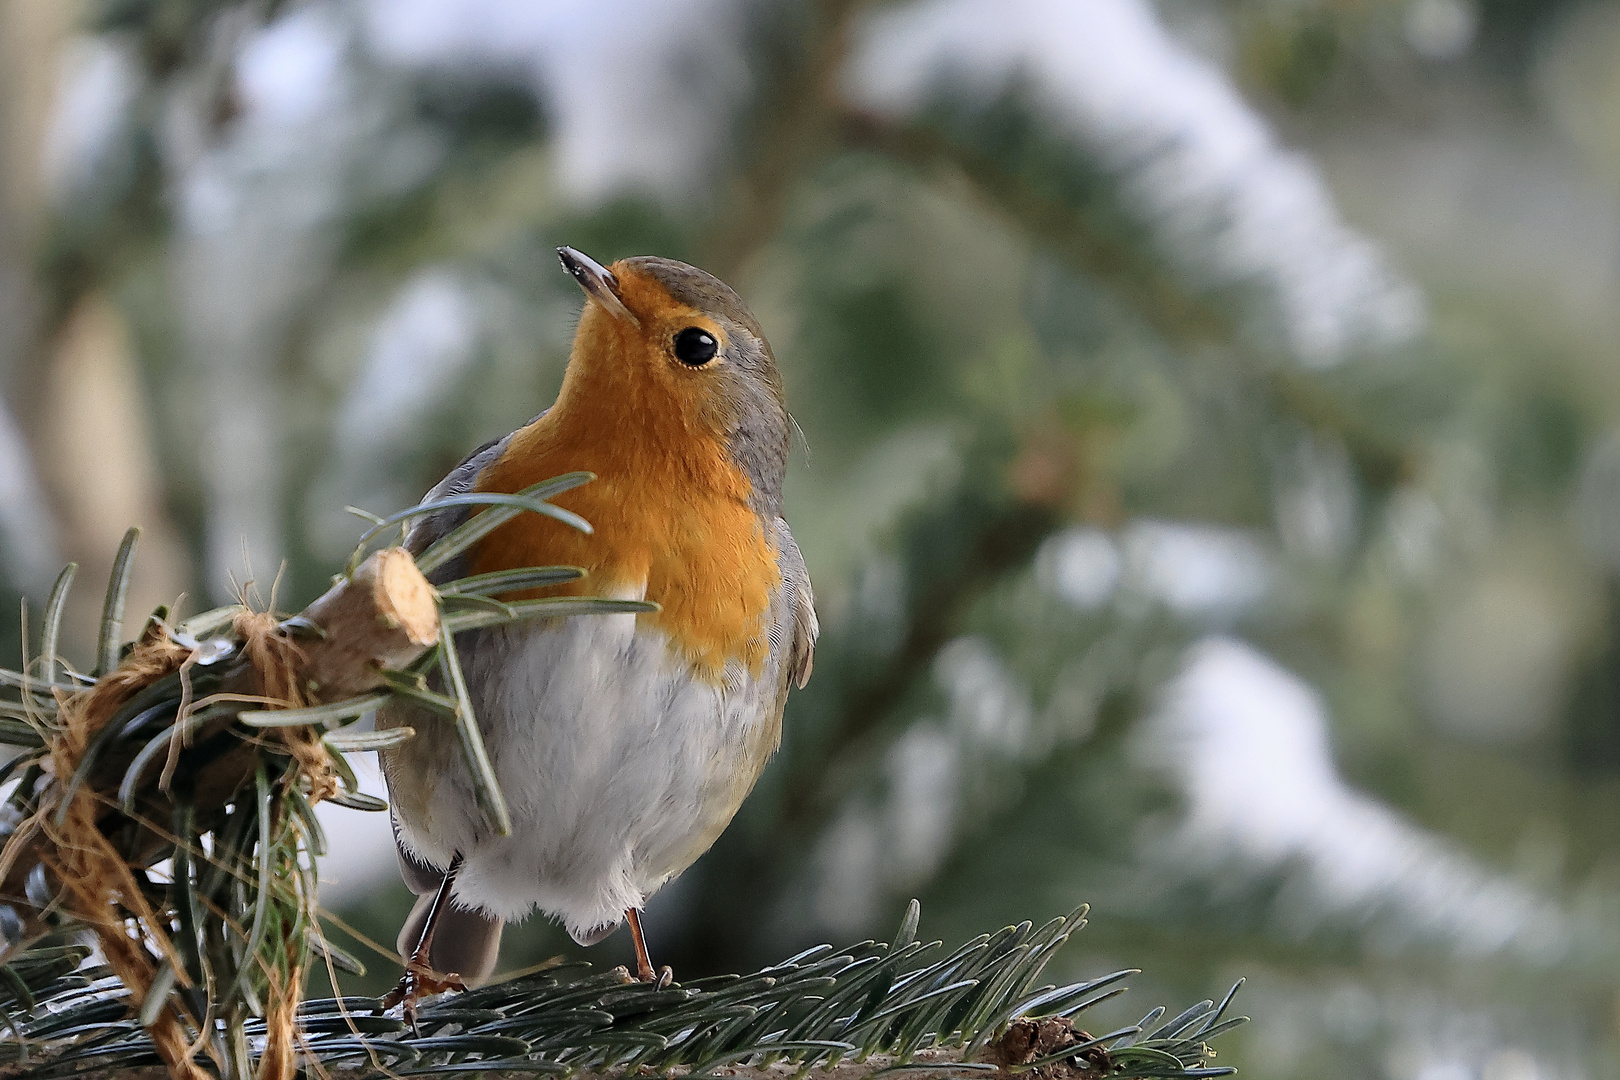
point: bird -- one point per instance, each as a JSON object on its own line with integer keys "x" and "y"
{"x": 623, "y": 743}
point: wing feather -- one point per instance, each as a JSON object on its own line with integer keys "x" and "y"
{"x": 425, "y": 530}
{"x": 800, "y": 616}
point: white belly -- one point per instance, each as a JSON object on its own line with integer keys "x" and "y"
{"x": 619, "y": 767}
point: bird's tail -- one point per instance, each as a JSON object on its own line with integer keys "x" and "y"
{"x": 465, "y": 942}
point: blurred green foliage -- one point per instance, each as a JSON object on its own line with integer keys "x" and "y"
{"x": 994, "y": 351}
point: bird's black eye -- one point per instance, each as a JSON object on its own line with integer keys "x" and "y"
{"x": 695, "y": 346}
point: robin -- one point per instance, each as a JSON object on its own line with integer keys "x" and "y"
{"x": 624, "y": 743}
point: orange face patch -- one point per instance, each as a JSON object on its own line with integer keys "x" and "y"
{"x": 669, "y": 507}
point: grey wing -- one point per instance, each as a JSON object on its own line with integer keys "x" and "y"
{"x": 419, "y": 877}
{"x": 796, "y": 628}
{"x": 420, "y": 535}
{"x": 425, "y": 530}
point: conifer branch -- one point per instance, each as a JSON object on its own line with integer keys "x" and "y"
{"x": 875, "y": 1008}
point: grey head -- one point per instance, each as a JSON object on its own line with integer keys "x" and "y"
{"x": 746, "y": 385}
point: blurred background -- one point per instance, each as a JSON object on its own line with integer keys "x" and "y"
{"x": 1212, "y": 423}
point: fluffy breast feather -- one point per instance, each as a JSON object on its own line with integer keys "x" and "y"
{"x": 678, "y": 525}
{"x": 619, "y": 768}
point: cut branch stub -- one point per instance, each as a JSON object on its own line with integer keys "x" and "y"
{"x": 384, "y": 616}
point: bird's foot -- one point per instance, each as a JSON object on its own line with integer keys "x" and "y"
{"x": 418, "y": 982}
{"x": 645, "y": 974}
{"x": 644, "y": 968}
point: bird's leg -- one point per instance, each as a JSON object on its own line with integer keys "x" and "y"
{"x": 644, "y": 968}
{"x": 420, "y": 979}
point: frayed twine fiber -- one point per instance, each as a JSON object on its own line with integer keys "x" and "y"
{"x": 276, "y": 660}
{"x": 98, "y": 886}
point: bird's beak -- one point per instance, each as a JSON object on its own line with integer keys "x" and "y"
{"x": 598, "y": 282}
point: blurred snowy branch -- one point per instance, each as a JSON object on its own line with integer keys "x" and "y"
{"x": 1199, "y": 163}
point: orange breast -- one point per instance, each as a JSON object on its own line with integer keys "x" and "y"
{"x": 669, "y": 510}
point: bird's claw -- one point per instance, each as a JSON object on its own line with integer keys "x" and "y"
{"x": 418, "y": 982}
{"x": 662, "y": 978}
{"x": 645, "y": 974}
